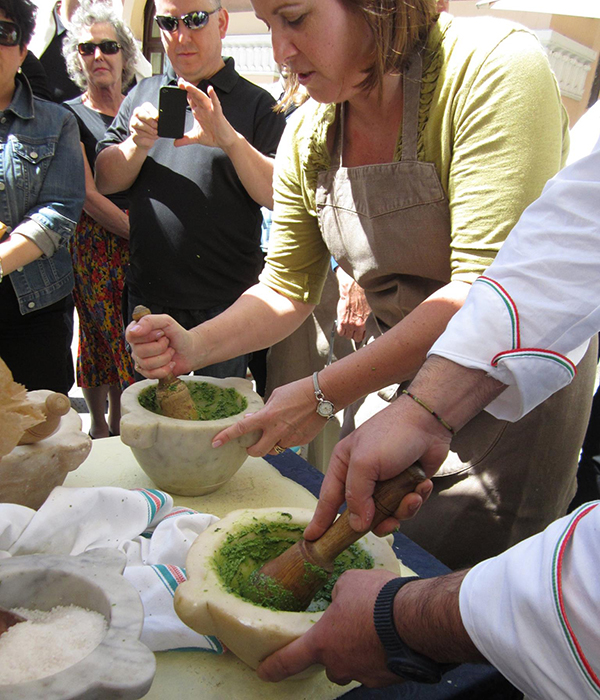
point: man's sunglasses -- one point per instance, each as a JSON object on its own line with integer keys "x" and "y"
{"x": 193, "y": 20}
{"x": 10, "y": 33}
{"x": 108, "y": 48}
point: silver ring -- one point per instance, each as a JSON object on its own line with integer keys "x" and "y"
{"x": 279, "y": 449}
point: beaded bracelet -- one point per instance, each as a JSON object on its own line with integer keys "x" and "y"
{"x": 433, "y": 413}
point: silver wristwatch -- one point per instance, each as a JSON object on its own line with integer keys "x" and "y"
{"x": 324, "y": 408}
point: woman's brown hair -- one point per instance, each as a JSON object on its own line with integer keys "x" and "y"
{"x": 399, "y": 27}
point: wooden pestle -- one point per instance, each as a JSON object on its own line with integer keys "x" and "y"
{"x": 172, "y": 394}
{"x": 55, "y": 406}
{"x": 304, "y": 568}
{"x": 8, "y": 619}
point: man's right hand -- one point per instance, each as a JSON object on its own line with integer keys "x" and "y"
{"x": 159, "y": 345}
{"x": 381, "y": 448}
{"x": 143, "y": 126}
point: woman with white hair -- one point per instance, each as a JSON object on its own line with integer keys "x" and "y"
{"x": 100, "y": 54}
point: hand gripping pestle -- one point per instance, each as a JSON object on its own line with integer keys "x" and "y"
{"x": 304, "y": 568}
{"x": 172, "y": 393}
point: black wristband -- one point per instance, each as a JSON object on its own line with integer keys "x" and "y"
{"x": 401, "y": 659}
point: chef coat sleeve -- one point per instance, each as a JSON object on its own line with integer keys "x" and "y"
{"x": 527, "y": 321}
{"x": 533, "y": 611}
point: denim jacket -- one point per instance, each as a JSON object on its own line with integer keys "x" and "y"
{"x": 42, "y": 189}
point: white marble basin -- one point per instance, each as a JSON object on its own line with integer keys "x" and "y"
{"x": 30, "y": 472}
{"x": 177, "y": 454}
{"x": 251, "y": 632}
{"x": 120, "y": 666}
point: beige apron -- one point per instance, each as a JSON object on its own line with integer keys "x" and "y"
{"x": 389, "y": 227}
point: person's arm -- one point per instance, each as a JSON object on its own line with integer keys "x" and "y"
{"x": 17, "y": 251}
{"x": 532, "y": 612}
{"x": 258, "y": 319}
{"x": 100, "y": 208}
{"x": 53, "y": 217}
{"x": 211, "y": 128}
{"x": 290, "y": 414}
{"x": 118, "y": 165}
{"x": 528, "y": 319}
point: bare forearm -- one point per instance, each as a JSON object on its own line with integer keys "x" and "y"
{"x": 455, "y": 392}
{"x": 16, "y": 251}
{"x": 106, "y": 214}
{"x": 118, "y": 166}
{"x": 427, "y": 617}
{"x": 258, "y": 319}
{"x": 254, "y": 169}
{"x": 397, "y": 355}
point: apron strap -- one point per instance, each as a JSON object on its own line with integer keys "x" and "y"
{"x": 410, "y": 109}
{"x": 336, "y": 156}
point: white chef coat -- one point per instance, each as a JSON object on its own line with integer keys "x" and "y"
{"x": 527, "y": 321}
{"x": 534, "y": 611}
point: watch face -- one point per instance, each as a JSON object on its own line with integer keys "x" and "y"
{"x": 325, "y": 409}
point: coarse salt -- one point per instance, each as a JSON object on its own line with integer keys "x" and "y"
{"x": 48, "y": 642}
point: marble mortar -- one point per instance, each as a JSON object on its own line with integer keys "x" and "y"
{"x": 120, "y": 666}
{"x": 30, "y": 472}
{"x": 177, "y": 454}
{"x": 251, "y": 632}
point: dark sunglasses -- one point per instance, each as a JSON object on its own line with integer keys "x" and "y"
{"x": 108, "y": 48}
{"x": 193, "y": 20}
{"x": 10, "y": 33}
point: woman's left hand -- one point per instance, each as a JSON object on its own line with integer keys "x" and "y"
{"x": 289, "y": 418}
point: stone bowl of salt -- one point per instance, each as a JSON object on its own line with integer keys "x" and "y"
{"x": 81, "y": 637}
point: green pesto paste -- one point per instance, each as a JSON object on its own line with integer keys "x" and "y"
{"x": 212, "y": 402}
{"x": 251, "y": 546}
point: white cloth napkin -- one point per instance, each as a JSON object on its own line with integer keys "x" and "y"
{"x": 141, "y": 523}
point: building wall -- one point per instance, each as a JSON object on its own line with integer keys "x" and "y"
{"x": 585, "y": 31}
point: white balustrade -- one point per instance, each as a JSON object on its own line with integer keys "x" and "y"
{"x": 252, "y": 54}
{"x": 570, "y": 61}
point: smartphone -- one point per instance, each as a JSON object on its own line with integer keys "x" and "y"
{"x": 172, "y": 104}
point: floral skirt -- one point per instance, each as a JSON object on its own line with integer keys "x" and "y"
{"x": 100, "y": 260}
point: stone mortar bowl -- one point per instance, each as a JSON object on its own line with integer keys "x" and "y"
{"x": 30, "y": 472}
{"x": 250, "y": 631}
{"x": 120, "y": 666}
{"x": 177, "y": 454}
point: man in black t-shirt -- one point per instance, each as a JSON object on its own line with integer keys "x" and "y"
{"x": 195, "y": 202}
